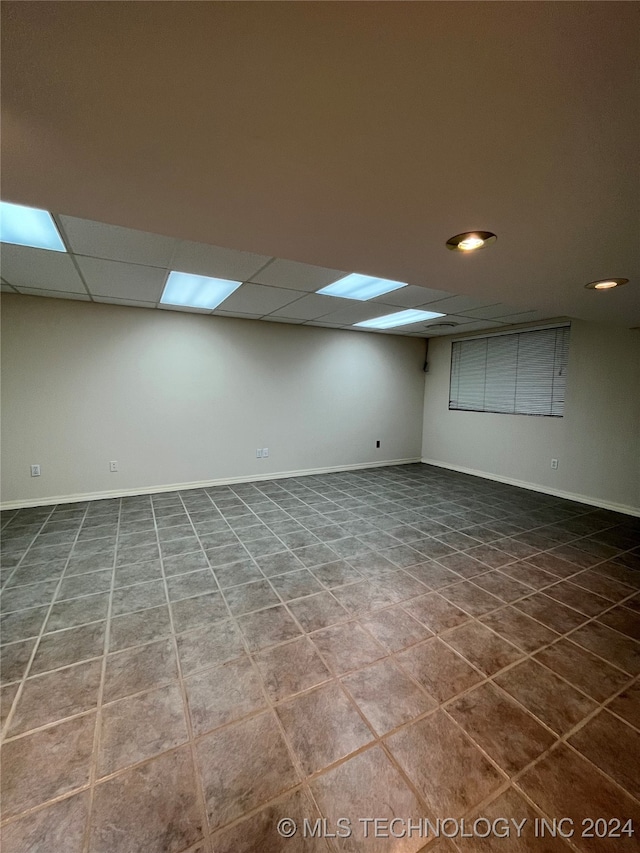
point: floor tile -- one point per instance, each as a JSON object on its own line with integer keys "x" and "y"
{"x": 563, "y": 784}
{"x": 56, "y": 695}
{"x": 318, "y": 611}
{"x": 433, "y": 575}
{"x": 551, "y": 613}
{"x": 614, "y": 747}
{"x": 471, "y": 598}
{"x": 530, "y": 575}
{"x": 619, "y": 650}
{"x": 150, "y": 807}
{"x": 197, "y": 612}
{"x": 46, "y": 764}
{"x": 259, "y": 834}
{"x": 190, "y": 584}
{"x": 250, "y": 596}
{"x": 363, "y": 597}
{"x": 139, "y": 668}
{"x": 464, "y": 565}
{"x": 580, "y": 599}
{"x": 510, "y": 736}
{"x": 586, "y": 671}
{"x": 394, "y": 628}
{"x": 243, "y": 766}
{"x": 128, "y": 575}
{"x": 78, "y": 585}
{"x": 222, "y": 694}
{"x": 386, "y": 696}
{"x": 242, "y": 571}
{"x": 624, "y": 620}
{"x": 341, "y": 793}
{"x": 183, "y": 563}
{"x": 438, "y": 669}
{"x": 546, "y": 695}
{"x": 346, "y": 647}
{"x": 30, "y": 595}
{"x": 66, "y": 647}
{"x": 267, "y": 627}
{"x": 519, "y": 629}
{"x": 337, "y": 573}
{"x": 291, "y": 668}
{"x": 447, "y": 769}
{"x": 78, "y": 611}
{"x": 436, "y": 612}
{"x": 627, "y": 705}
{"x": 23, "y": 624}
{"x": 140, "y": 627}
{"x": 322, "y": 727}
{"x": 14, "y": 660}
{"x": 602, "y": 585}
{"x": 210, "y": 645}
{"x": 127, "y": 599}
{"x": 60, "y": 826}
{"x": 296, "y": 584}
{"x": 486, "y": 650}
{"x": 140, "y": 727}
{"x": 503, "y": 586}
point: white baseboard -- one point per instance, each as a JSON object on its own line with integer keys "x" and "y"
{"x": 177, "y": 487}
{"x": 558, "y": 493}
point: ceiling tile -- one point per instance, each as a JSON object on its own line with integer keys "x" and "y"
{"x": 411, "y": 296}
{"x": 126, "y": 281}
{"x": 297, "y": 276}
{"x": 113, "y": 300}
{"x": 355, "y": 312}
{"x": 216, "y": 262}
{"x": 312, "y": 306}
{"x": 243, "y": 315}
{"x": 477, "y": 326}
{"x": 489, "y": 312}
{"x": 258, "y": 299}
{"x": 523, "y": 317}
{"x": 23, "y": 266}
{"x": 456, "y": 304}
{"x": 287, "y": 320}
{"x": 54, "y": 294}
{"x": 114, "y": 243}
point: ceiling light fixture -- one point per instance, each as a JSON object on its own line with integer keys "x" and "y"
{"x": 400, "y": 318}
{"x": 29, "y": 226}
{"x": 361, "y": 287}
{"x": 197, "y": 291}
{"x": 470, "y": 241}
{"x": 606, "y": 283}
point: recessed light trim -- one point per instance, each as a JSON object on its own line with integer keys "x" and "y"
{"x": 606, "y": 283}
{"x": 360, "y": 287}
{"x": 29, "y": 226}
{"x": 470, "y": 241}
{"x": 196, "y": 291}
{"x": 400, "y": 318}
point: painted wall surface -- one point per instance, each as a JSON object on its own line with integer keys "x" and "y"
{"x": 597, "y": 442}
{"x": 177, "y": 398}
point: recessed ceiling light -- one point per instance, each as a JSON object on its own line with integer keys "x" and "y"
{"x": 470, "y": 241}
{"x": 197, "y": 291}
{"x": 361, "y": 287}
{"x": 443, "y": 325}
{"x": 29, "y": 226}
{"x": 400, "y": 318}
{"x": 606, "y": 283}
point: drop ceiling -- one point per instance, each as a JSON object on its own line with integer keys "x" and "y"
{"x": 315, "y": 139}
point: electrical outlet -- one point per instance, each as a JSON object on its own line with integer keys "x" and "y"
{"x": 265, "y": 452}
{"x": 35, "y": 470}
{"x": 113, "y": 467}
{"x": 259, "y": 453}
{"x": 378, "y": 443}
{"x": 554, "y": 463}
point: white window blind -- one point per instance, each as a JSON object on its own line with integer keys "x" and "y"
{"x": 520, "y": 373}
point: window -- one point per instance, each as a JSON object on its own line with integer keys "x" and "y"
{"x": 521, "y": 373}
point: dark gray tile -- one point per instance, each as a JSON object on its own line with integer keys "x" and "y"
{"x": 67, "y": 647}
{"x": 337, "y": 573}
{"x": 60, "y": 826}
{"x": 127, "y": 599}
{"x": 322, "y": 726}
{"x": 140, "y": 627}
{"x": 395, "y": 629}
{"x": 30, "y": 595}
{"x": 347, "y": 647}
{"x": 56, "y": 695}
{"x": 191, "y": 584}
{"x": 242, "y": 571}
{"x": 23, "y": 624}
{"x": 137, "y": 573}
{"x": 267, "y": 627}
{"x": 14, "y": 660}
{"x": 435, "y": 612}
{"x": 586, "y": 671}
{"x": 216, "y": 643}
{"x": 223, "y": 694}
{"x": 318, "y": 611}
{"x": 140, "y": 727}
{"x": 139, "y": 668}
{"x": 150, "y": 807}
{"x": 184, "y": 563}
{"x": 78, "y": 611}
{"x": 46, "y": 764}
{"x": 295, "y": 584}
{"x": 290, "y": 668}
{"x": 243, "y": 766}
{"x": 279, "y": 563}
{"x": 486, "y": 650}
{"x": 438, "y": 669}
{"x": 190, "y": 613}
{"x": 518, "y": 629}
{"x": 250, "y": 596}
{"x": 88, "y": 584}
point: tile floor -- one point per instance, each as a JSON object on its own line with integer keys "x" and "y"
{"x": 182, "y": 670}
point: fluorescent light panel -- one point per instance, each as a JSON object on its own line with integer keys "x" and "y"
{"x": 29, "y": 226}
{"x": 197, "y": 291}
{"x": 361, "y": 287}
{"x": 400, "y": 318}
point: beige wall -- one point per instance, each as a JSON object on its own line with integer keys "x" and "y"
{"x": 179, "y": 398}
{"x": 597, "y": 442}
